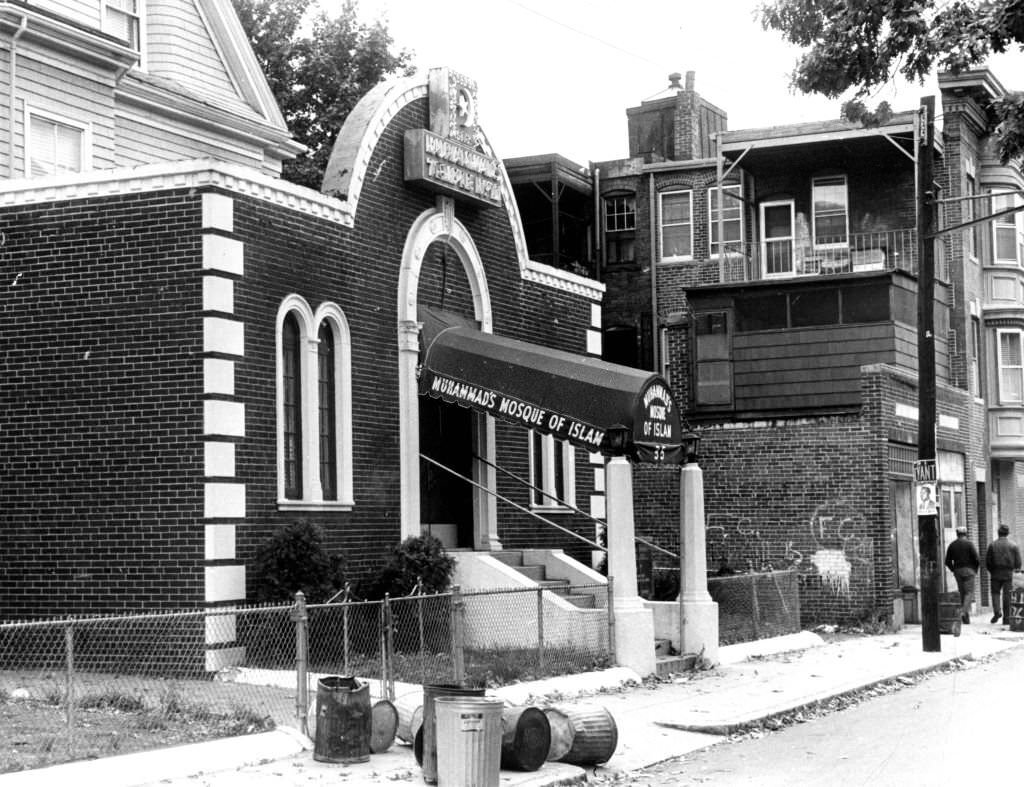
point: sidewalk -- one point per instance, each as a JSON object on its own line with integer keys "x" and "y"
{"x": 754, "y": 681}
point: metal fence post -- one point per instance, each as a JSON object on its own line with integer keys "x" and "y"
{"x": 423, "y": 655}
{"x": 458, "y": 640}
{"x": 540, "y": 629}
{"x": 383, "y": 618}
{"x": 300, "y": 616}
{"x": 610, "y": 606}
{"x": 69, "y": 658}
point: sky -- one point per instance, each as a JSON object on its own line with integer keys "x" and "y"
{"x": 556, "y": 76}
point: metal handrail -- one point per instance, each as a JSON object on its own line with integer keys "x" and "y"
{"x": 514, "y": 504}
{"x": 571, "y": 507}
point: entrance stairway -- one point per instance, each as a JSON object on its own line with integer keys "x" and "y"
{"x": 538, "y": 573}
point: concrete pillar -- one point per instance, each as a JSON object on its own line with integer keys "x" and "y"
{"x": 698, "y": 614}
{"x": 634, "y": 622}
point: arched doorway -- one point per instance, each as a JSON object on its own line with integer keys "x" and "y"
{"x": 458, "y": 437}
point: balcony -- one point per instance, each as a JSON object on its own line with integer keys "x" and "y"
{"x": 786, "y": 258}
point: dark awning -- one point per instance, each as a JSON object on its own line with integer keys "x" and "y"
{"x": 571, "y": 397}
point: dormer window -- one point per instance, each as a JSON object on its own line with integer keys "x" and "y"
{"x": 122, "y": 19}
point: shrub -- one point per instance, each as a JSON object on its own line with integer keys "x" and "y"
{"x": 417, "y": 559}
{"x": 294, "y": 559}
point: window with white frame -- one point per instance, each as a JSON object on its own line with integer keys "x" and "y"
{"x": 1011, "y": 367}
{"x": 829, "y": 203}
{"x": 314, "y": 411}
{"x": 54, "y": 146}
{"x": 676, "y": 225}
{"x": 1006, "y": 239}
{"x": 552, "y": 472}
{"x": 976, "y": 358}
{"x": 123, "y": 19}
{"x": 970, "y": 211}
{"x": 619, "y": 227}
{"x": 732, "y": 218}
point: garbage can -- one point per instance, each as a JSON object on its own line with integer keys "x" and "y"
{"x": 426, "y": 742}
{"x": 468, "y": 741}
{"x": 344, "y": 720}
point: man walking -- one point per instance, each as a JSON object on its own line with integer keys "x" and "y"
{"x": 1001, "y": 559}
{"x": 962, "y": 559}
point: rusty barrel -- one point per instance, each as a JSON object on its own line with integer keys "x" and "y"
{"x": 383, "y": 726}
{"x": 590, "y": 730}
{"x": 343, "y": 720}
{"x": 426, "y": 741}
{"x": 525, "y": 738}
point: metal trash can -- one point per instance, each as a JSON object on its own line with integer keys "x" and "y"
{"x": 468, "y": 741}
{"x": 426, "y": 739}
{"x": 344, "y": 720}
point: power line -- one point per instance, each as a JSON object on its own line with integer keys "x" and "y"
{"x": 585, "y": 34}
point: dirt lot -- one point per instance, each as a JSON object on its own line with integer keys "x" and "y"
{"x": 114, "y": 714}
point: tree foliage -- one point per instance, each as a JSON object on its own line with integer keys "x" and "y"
{"x": 863, "y": 44}
{"x": 318, "y": 67}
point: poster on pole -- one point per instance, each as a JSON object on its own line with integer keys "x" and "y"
{"x": 925, "y": 487}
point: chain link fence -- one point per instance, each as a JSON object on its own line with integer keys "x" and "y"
{"x": 756, "y": 605}
{"x": 751, "y": 606}
{"x": 82, "y": 688}
{"x": 95, "y": 687}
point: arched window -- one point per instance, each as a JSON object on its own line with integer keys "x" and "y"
{"x": 291, "y": 372}
{"x": 314, "y": 411}
{"x": 328, "y": 416}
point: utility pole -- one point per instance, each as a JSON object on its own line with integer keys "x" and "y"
{"x": 927, "y": 523}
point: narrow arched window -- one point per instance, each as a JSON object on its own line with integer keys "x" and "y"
{"x": 328, "y": 414}
{"x": 291, "y": 338}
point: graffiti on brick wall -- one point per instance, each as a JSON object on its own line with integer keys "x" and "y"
{"x": 828, "y": 546}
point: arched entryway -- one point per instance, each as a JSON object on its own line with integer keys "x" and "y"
{"x": 453, "y": 437}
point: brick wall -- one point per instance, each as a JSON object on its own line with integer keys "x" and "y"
{"x": 102, "y": 406}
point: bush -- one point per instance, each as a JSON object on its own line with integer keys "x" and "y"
{"x": 417, "y": 559}
{"x": 294, "y": 559}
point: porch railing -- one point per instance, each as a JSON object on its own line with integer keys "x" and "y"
{"x": 857, "y": 252}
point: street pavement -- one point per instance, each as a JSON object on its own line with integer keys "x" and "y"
{"x": 654, "y": 721}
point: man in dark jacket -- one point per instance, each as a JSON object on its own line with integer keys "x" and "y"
{"x": 1001, "y": 560}
{"x": 962, "y": 559}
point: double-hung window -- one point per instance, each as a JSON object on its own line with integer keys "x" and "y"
{"x": 731, "y": 219}
{"x": 1011, "y": 367}
{"x": 551, "y": 472}
{"x": 830, "y": 205}
{"x": 619, "y": 227}
{"x": 970, "y": 210}
{"x": 54, "y": 146}
{"x": 1005, "y": 234}
{"x": 123, "y": 19}
{"x": 314, "y": 411}
{"x": 676, "y": 225}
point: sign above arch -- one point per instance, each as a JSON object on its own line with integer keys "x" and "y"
{"x": 450, "y": 157}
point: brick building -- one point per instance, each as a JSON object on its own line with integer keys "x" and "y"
{"x": 197, "y": 352}
{"x": 782, "y": 265}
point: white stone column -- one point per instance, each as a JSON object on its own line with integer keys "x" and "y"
{"x": 409, "y": 427}
{"x": 634, "y": 622}
{"x": 698, "y": 614}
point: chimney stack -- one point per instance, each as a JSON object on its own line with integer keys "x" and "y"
{"x": 690, "y": 75}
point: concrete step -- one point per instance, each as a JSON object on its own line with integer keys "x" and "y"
{"x": 581, "y": 600}
{"x": 510, "y": 557}
{"x": 666, "y": 665}
{"x": 536, "y": 573}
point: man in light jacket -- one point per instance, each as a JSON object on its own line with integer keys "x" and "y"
{"x": 1001, "y": 559}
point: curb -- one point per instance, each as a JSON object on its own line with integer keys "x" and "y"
{"x": 730, "y": 727}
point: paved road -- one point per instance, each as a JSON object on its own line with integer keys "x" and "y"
{"x": 958, "y": 727}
